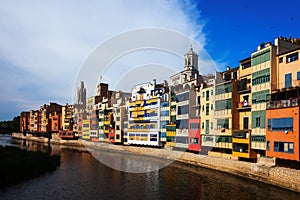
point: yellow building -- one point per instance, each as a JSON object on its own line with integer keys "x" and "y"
{"x": 207, "y": 97}
{"x": 263, "y": 74}
{"x": 67, "y": 117}
{"x": 241, "y": 139}
{"x": 86, "y": 129}
{"x": 288, "y": 70}
{"x": 225, "y": 116}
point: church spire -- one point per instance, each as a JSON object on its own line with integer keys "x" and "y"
{"x": 191, "y": 60}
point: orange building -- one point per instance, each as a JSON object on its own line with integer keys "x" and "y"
{"x": 283, "y": 132}
{"x": 282, "y": 110}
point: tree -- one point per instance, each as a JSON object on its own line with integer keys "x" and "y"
{"x": 15, "y": 124}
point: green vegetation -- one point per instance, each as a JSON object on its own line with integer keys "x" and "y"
{"x": 17, "y": 165}
{"x": 7, "y": 127}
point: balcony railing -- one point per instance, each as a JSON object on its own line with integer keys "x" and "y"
{"x": 243, "y": 88}
{"x": 285, "y": 85}
{"x": 283, "y": 103}
{"x": 244, "y": 105}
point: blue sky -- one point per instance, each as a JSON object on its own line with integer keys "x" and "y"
{"x": 44, "y": 43}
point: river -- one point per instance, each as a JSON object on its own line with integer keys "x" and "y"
{"x": 81, "y": 176}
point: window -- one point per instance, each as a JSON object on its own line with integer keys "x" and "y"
{"x": 203, "y": 94}
{"x": 292, "y": 57}
{"x": 260, "y": 57}
{"x": 298, "y": 75}
{"x": 208, "y": 139}
{"x": 223, "y": 104}
{"x": 182, "y": 97}
{"x": 223, "y": 123}
{"x": 194, "y": 126}
{"x": 280, "y": 124}
{"x": 194, "y": 140}
{"x": 240, "y": 134}
{"x": 221, "y": 89}
{"x": 206, "y": 126}
{"x": 245, "y": 123}
{"x": 182, "y": 140}
{"x": 234, "y": 75}
{"x": 182, "y": 124}
{"x": 288, "y": 80}
{"x": 281, "y": 60}
{"x": 207, "y": 109}
{"x": 260, "y": 97}
{"x": 182, "y": 110}
{"x": 202, "y": 125}
{"x": 211, "y": 125}
{"x": 261, "y": 76}
{"x": 212, "y": 106}
{"x": 268, "y": 145}
{"x": 211, "y": 92}
{"x": 257, "y": 121}
{"x": 240, "y": 148}
{"x": 285, "y": 147}
{"x": 207, "y": 95}
{"x": 269, "y": 124}
{"x": 246, "y": 65}
{"x": 258, "y": 138}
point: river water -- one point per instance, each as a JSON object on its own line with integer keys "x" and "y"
{"x": 81, "y": 176}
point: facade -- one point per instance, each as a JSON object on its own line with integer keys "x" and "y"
{"x": 183, "y": 101}
{"x": 164, "y": 116}
{"x": 24, "y": 122}
{"x": 282, "y": 114}
{"x": 67, "y": 121}
{"x": 33, "y": 121}
{"x": 144, "y": 115}
{"x": 207, "y": 100}
{"x": 194, "y": 137}
{"x": 225, "y": 115}
{"x": 86, "y": 129}
{"x": 263, "y": 70}
{"x": 91, "y": 114}
{"x": 241, "y": 138}
{"x": 55, "y": 122}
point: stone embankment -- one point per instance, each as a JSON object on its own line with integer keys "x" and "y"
{"x": 264, "y": 170}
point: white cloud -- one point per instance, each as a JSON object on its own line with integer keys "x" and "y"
{"x": 45, "y": 42}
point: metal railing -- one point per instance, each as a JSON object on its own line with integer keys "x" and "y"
{"x": 285, "y": 85}
{"x": 283, "y": 103}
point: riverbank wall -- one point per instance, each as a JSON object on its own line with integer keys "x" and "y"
{"x": 264, "y": 170}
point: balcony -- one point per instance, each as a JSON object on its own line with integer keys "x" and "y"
{"x": 243, "y": 88}
{"x": 244, "y": 105}
{"x": 283, "y": 103}
{"x": 241, "y": 137}
{"x": 283, "y": 86}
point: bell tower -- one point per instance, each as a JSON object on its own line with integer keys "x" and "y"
{"x": 191, "y": 60}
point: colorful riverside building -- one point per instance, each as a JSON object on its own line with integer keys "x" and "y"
{"x": 171, "y": 126}
{"x": 283, "y": 109}
{"x": 24, "y": 122}
{"x": 120, "y": 114}
{"x": 225, "y": 113}
{"x": 264, "y": 75}
{"x": 69, "y": 130}
{"x": 206, "y": 96}
{"x": 164, "y": 113}
{"x": 241, "y": 138}
{"x": 33, "y": 121}
{"x": 144, "y": 114}
{"x": 183, "y": 102}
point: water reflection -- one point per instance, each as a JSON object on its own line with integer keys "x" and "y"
{"x": 128, "y": 162}
{"x": 81, "y": 176}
